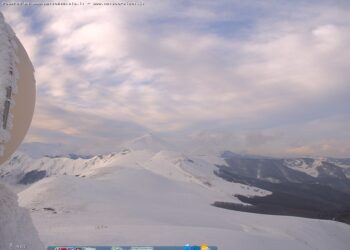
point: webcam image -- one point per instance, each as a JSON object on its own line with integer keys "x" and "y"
{"x": 174, "y": 125}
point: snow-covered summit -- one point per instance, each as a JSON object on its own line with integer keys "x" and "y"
{"x": 148, "y": 142}
{"x": 172, "y": 165}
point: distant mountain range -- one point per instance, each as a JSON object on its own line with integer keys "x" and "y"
{"x": 317, "y": 188}
{"x": 329, "y": 171}
{"x": 146, "y": 187}
{"x": 313, "y": 187}
{"x": 150, "y": 186}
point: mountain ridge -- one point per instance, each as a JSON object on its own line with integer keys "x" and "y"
{"x": 166, "y": 195}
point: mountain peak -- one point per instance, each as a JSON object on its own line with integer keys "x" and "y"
{"x": 148, "y": 142}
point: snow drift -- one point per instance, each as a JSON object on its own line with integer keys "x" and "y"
{"x": 16, "y": 228}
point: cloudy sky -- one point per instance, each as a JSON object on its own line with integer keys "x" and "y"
{"x": 265, "y": 77}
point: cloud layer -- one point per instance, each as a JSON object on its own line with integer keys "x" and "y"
{"x": 272, "y": 74}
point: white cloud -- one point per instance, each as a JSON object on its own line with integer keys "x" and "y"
{"x": 165, "y": 67}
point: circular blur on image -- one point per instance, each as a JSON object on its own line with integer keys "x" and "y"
{"x": 18, "y": 106}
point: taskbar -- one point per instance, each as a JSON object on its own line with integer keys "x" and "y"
{"x": 185, "y": 247}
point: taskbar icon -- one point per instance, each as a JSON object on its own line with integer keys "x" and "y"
{"x": 75, "y": 248}
{"x": 201, "y": 247}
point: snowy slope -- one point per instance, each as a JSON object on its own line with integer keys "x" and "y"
{"x": 169, "y": 164}
{"x": 136, "y": 206}
{"x": 16, "y": 227}
{"x": 150, "y": 194}
{"x": 302, "y": 165}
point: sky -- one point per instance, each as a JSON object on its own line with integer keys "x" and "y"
{"x": 262, "y": 77}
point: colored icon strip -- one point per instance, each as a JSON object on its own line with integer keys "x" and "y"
{"x": 186, "y": 247}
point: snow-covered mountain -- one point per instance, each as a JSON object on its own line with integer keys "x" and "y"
{"x": 149, "y": 193}
{"x": 327, "y": 171}
{"x": 149, "y": 142}
{"x": 175, "y": 166}
{"x": 320, "y": 167}
{"x": 314, "y": 167}
{"x": 313, "y": 188}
